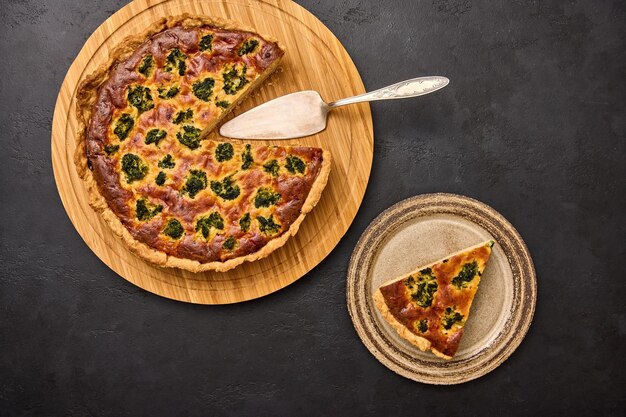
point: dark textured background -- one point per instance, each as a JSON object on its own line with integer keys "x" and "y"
{"x": 533, "y": 124}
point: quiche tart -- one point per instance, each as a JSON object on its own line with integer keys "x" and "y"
{"x": 175, "y": 197}
{"x": 430, "y": 306}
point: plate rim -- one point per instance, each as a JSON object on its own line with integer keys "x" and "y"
{"x": 389, "y": 222}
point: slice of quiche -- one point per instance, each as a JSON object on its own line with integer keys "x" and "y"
{"x": 430, "y": 306}
{"x": 175, "y": 197}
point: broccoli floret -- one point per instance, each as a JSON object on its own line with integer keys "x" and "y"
{"x": 160, "y": 178}
{"x": 450, "y": 317}
{"x": 265, "y": 197}
{"x": 422, "y": 325}
{"x": 167, "y": 162}
{"x": 213, "y": 220}
{"x": 190, "y": 136}
{"x": 123, "y": 126}
{"x": 423, "y": 288}
{"x": 467, "y": 274}
{"x": 166, "y": 93}
{"x": 246, "y": 157}
{"x": 134, "y": 167}
{"x": 227, "y": 188}
{"x": 203, "y": 89}
{"x": 247, "y": 47}
{"x": 145, "y": 210}
{"x": 141, "y": 210}
{"x": 155, "y": 136}
{"x": 244, "y": 222}
{"x": 224, "y": 152}
{"x": 206, "y": 43}
{"x": 230, "y": 243}
{"x": 173, "y": 229}
{"x": 272, "y": 167}
{"x": 196, "y": 181}
{"x": 176, "y": 60}
{"x": 267, "y": 225}
{"x": 295, "y": 164}
{"x": 183, "y": 116}
{"x": 222, "y": 103}
{"x": 110, "y": 149}
{"x": 234, "y": 80}
{"x": 140, "y": 97}
{"x": 146, "y": 65}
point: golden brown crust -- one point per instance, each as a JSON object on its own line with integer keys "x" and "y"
{"x": 86, "y": 97}
{"x": 401, "y": 313}
{"x": 402, "y": 330}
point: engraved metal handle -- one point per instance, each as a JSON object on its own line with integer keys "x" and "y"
{"x": 404, "y": 89}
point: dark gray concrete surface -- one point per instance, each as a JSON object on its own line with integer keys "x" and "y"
{"x": 532, "y": 124}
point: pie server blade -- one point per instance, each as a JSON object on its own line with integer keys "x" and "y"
{"x": 304, "y": 113}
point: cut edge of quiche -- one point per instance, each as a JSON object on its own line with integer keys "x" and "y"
{"x": 86, "y": 96}
{"x": 455, "y": 283}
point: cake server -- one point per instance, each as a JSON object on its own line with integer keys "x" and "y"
{"x": 304, "y": 113}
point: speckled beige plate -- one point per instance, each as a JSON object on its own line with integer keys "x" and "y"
{"x": 423, "y": 229}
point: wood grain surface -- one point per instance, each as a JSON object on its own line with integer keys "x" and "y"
{"x": 314, "y": 60}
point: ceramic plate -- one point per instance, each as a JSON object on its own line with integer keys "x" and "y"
{"x": 421, "y": 230}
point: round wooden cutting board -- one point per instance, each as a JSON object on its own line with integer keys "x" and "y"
{"x": 418, "y": 231}
{"x": 315, "y": 60}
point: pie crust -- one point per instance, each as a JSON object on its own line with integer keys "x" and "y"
{"x": 86, "y": 97}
